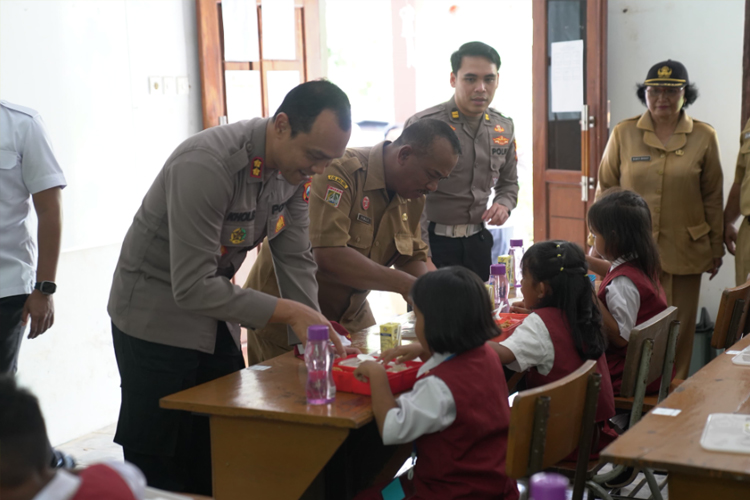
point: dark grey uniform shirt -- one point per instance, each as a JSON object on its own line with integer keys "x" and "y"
{"x": 489, "y": 153}
{"x": 213, "y": 200}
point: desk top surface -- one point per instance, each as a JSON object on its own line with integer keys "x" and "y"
{"x": 278, "y": 392}
{"x": 673, "y": 443}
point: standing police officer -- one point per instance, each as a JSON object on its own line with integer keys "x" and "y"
{"x": 454, "y": 217}
{"x": 175, "y": 313}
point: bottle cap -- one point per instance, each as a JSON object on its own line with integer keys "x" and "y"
{"x": 516, "y": 243}
{"x": 497, "y": 269}
{"x": 547, "y": 486}
{"x": 317, "y": 332}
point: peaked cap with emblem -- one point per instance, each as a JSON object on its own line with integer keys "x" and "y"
{"x": 667, "y": 73}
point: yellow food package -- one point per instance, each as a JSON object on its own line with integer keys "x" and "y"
{"x": 390, "y": 336}
{"x": 505, "y": 259}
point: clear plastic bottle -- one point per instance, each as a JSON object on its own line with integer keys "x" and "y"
{"x": 321, "y": 389}
{"x": 499, "y": 283}
{"x": 516, "y": 255}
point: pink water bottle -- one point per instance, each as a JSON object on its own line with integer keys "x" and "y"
{"x": 319, "y": 360}
{"x": 499, "y": 282}
{"x": 547, "y": 486}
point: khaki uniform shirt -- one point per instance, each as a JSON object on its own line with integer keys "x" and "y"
{"x": 213, "y": 200}
{"x": 488, "y": 154}
{"x": 681, "y": 182}
{"x": 740, "y": 177}
{"x": 350, "y": 206}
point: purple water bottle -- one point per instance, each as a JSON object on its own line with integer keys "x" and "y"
{"x": 319, "y": 360}
{"x": 547, "y": 486}
{"x": 499, "y": 282}
{"x": 516, "y": 254}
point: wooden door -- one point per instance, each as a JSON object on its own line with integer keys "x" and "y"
{"x": 568, "y": 146}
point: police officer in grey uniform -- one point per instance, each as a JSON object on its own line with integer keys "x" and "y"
{"x": 454, "y": 216}
{"x": 175, "y": 313}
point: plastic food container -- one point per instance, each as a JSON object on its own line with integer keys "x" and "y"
{"x": 508, "y": 322}
{"x": 400, "y": 381}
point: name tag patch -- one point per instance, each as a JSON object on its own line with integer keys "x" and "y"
{"x": 364, "y": 219}
{"x": 499, "y": 151}
{"x": 333, "y": 196}
{"x": 338, "y": 180}
{"x": 640, "y": 158}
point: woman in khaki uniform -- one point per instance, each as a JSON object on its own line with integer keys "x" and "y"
{"x": 672, "y": 161}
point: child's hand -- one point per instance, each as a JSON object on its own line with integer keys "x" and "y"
{"x": 402, "y": 353}
{"x": 519, "y": 308}
{"x": 364, "y": 371}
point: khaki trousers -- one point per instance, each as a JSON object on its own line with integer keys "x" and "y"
{"x": 742, "y": 253}
{"x": 683, "y": 292}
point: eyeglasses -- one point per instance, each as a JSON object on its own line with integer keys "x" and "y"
{"x": 667, "y": 91}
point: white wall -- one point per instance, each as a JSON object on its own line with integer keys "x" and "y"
{"x": 85, "y": 66}
{"x": 706, "y": 36}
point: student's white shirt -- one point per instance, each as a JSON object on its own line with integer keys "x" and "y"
{"x": 532, "y": 346}
{"x": 623, "y": 301}
{"x": 64, "y": 484}
{"x": 429, "y": 407}
{"x": 27, "y": 166}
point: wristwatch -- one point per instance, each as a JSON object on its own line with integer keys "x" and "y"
{"x": 46, "y": 287}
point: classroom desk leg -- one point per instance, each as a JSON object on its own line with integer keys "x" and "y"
{"x": 268, "y": 459}
{"x": 698, "y": 487}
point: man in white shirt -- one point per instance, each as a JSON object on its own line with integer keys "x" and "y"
{"x": 29, "y": 172}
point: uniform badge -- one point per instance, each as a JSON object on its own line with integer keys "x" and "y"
{"x": 364, "y": 219}
{"x": 404, "y": 217}
{"x": 280, "y": 223}
{"x": 499, "y": 129}
{"x": 486, "y": 117}
{"x": 454, "y": 114}
{"x": 664, "y": 72}
{"x": 501, "y": 140}
{"x": 640, "y": 158}
{"x": 365, "y": 203}
{"x": 333, "y": 196}
{"x": 451, "y": 126}
{"x": 238, "y": 236}
{"x": 679, "y": 152}
{"x": 338, "y": 180}
{"x": 306, "y": 192}
{"x": 256, "y": 168}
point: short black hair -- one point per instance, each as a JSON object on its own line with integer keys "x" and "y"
{"x": 562, "y": 266}
{"x": 623, "y": 219}
{"x": 24, "y": 448}
{"x": 421, "y": 134}
{"x": 456, "y": 308}
{"x": 306, "y": 101}
{"x": 474, "y": 49}
{"x": 691, "y": 94}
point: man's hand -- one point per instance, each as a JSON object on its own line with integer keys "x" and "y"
{"x": 41, "y": 308}
{"x": 715, "y": 269}
{"x": 730, "y": 237}
{"x": 403, "y": 353}
{"x": 299, "y": 317}
{"x": 430, "y": 266}
{"x": 496, "y": 215}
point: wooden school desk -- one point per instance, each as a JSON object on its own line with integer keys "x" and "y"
{"x": 266, "y": 441}
{"x": 673, "y": 443}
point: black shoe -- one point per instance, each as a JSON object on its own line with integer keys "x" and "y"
{"x": 62, "y": 460}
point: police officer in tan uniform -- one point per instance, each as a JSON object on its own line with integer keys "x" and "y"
{"x": 453, "y": 222}
{"x": 175, "y": 313}
{"x": 739, "y": 203}
{"x": 364, "y": 218}
{"x": 673, "y": 162}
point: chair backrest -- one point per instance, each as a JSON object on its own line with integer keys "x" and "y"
{"x": 732, "y": 317}
{"x": 565, "y": 403}
{"x": 655, "y": 332}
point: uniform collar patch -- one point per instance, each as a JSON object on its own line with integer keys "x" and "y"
{"x": 256, "y": 167}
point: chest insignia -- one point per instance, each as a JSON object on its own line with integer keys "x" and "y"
{"x": 256, "y": 167}
{"x": 338, "y": 180}
{"x": 280, "y": 223}
{"x": 306, "y": 192}
{"x": 501, "y": 140}
{"x": 499, "y": 129}
{"x": 364, "y": 219}
{"x": 640, "y": 158}
{"x": 238, "y": 236}
{"x": 679, "y": 152}
{"x": 365, "y": 203}
{"x": 404, "y": 217}
{"x": 454, "y": 114}
{"x": 333, "y": 196}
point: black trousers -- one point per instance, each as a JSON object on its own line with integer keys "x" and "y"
{"x": 11, "y": 332}
{"x": 171, "y": 447}
{"x": 474, "y": 252}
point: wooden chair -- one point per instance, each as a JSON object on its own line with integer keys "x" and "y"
{"x": 650, "y": 354}
{"x": 548, "y": 423}
{"x": 732, "y": 320}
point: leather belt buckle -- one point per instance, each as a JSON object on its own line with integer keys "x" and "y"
{"x": 461, "y": 230}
